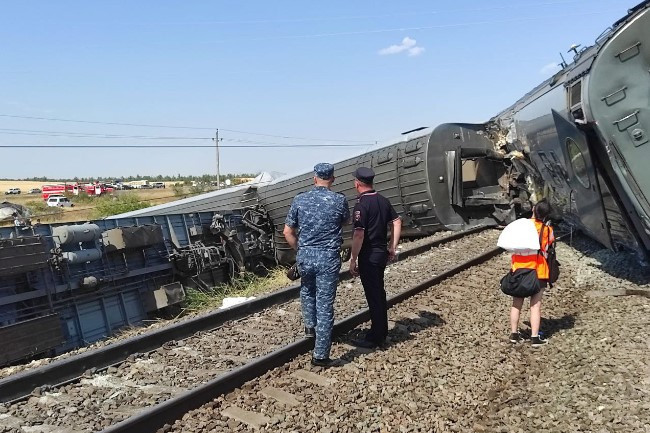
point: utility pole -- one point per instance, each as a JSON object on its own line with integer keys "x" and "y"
{"x": 216, "y": 143}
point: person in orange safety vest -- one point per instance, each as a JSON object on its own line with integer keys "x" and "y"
{"x": 533, "y": 260}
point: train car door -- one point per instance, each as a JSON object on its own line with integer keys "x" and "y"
{"x": 585, "y": 199}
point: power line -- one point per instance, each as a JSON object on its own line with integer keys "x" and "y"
{"x": 53, "y": 119}
{"x": 38, "y": 132}
{"x": 408, "y": 29}
{"x": 43, "y": 133}
{"x": 171, "y": 146}
{"x": 354, "y": 17}
{"x": 145, "y": 125}
{"x": 292, "y": 137}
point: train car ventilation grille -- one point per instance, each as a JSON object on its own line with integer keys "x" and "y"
{"x": 384, "y": 158}
{"x": 412, "y": 147}
{"x": 412, "y": 161}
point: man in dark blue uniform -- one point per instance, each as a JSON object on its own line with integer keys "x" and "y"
{"x": 314, "y": 228}
{"x": 371, "y": 216}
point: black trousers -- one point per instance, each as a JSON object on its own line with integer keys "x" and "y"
{"x": 372, "y": 279}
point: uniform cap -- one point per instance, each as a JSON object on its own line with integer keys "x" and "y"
{"x": 364, "y": 174}
{"x": 324, "y": 170}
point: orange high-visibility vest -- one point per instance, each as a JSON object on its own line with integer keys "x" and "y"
{"x": 536, "y": 260}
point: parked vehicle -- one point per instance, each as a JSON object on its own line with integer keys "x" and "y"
{"x": 34, "y": 191}
{"x": 59, "y": 190}
{"x": 158, "y": 185}
{"x": 138, "y": 184}
{"x": 12, "y": 191}
{"x": 59, "y": 201}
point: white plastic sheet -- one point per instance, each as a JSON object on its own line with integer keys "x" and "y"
{"x": 519, "y": 236}
{"x": 231, "y": 302}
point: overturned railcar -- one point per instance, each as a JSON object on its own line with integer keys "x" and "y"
{"x": 433, "y": 181}
{"x": 584, "y": 134}
{"x": 67, "y": 285}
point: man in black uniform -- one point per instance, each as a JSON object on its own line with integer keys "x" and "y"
{"x": 371, "y": 216}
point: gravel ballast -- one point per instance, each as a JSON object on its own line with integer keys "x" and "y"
{"x": 100, "y": 400}
{"x": 450, "y": 367}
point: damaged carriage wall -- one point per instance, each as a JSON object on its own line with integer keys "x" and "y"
{"x": 92, "y": 279}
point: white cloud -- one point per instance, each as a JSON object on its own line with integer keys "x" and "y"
{"x": 407, "y": 45}
{"x": 415, "y": 51}
{"x": 549, "y": 69}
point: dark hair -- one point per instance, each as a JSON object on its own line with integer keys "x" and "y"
{"x": 542, "y": 210}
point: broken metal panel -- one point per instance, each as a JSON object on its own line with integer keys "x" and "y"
{"x": 124, "y": 238}
{"x": 167, "y": 295}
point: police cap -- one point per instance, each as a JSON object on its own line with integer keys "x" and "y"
{"x": 324, "y": 170}
{"x": 364, "y": 174}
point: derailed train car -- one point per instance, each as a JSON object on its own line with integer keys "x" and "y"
{"x": 584, "y": 135}
{"x": 67, "y": 285}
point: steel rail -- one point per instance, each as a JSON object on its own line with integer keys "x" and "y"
{"x": 18, "y": 387}
{"x": 154, "y": 418}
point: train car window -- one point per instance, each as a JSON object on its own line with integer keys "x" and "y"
{"x": 575, "y": 101}
{"x": 576, "y": 94}
{"x": 578, "y": 162}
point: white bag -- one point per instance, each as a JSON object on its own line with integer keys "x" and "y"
{"x": 520, "y": 236}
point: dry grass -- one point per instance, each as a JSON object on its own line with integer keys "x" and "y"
{"x": 246, "y": 285}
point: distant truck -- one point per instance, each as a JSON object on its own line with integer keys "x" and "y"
{"x": 140, "y": 184}
{"x": 48, "y": 190}
{"x": 95, "y": 189}
{"x": 12, "y": 191}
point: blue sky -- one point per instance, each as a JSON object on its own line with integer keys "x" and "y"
{"x": 360, "y": 71}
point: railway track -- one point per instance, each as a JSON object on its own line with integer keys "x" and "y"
{"x": 180, "y": 374}
{"x": 448, "y": 366}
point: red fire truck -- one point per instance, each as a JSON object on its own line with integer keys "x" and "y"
{"x": 74, "y": 189}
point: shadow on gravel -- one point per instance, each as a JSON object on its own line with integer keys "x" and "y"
{"x": 555, "y": 325}
{"x": 402, "y": 331}
{"x": 625, "y": 264}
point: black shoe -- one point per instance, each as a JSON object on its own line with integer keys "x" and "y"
{"x": 537, "y": 341}
{"x": 515, "y": 338}
{"x": 327, "y": 362}
{"x": 310, "y": 332}
{"x": 366, "y": 344}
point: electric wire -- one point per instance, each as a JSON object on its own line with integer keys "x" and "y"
{"x": 415, "y": 28}
{"x": 42, "y": 133}
{"x": 356, "y": 17}
{"x": 146, "y": 125}
{"x": 174, "y": 146}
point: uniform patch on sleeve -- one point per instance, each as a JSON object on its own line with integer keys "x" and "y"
{"x": 357, "y": 215}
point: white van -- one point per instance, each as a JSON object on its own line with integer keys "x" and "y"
{"x": 59, "y": 201}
